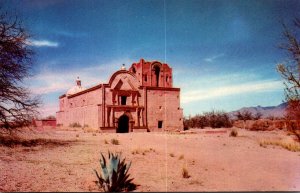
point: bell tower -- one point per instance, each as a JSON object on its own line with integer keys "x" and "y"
{"x": 153, "y": 74}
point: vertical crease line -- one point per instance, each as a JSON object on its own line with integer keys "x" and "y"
{"x": 166, "y": 139}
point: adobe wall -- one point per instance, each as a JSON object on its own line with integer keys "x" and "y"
{"x": 100, "y": 106}
{"x": 82, "y": 109}
{"x": 145, "y": 73}
{"x": 164, "y": 106}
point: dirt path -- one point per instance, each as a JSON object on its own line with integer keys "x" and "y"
{"x": 215, "y": 162}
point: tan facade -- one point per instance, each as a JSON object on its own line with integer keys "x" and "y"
{"x": 139, "y": 99}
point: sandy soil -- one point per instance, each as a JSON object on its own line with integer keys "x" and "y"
{"x": 215, "y": 162}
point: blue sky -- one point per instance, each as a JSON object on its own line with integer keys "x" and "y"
{"x": 223, "y": 53}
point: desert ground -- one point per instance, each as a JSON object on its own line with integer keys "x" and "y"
{"x": 214, "y": 160}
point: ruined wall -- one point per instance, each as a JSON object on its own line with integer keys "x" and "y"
{"x": 146, "y": 75}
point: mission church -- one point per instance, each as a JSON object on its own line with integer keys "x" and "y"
{"x": 141, "y": 98}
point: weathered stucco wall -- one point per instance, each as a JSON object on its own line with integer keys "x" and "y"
{"x": 164, "y": 106}
{"x": 82, "y": 109}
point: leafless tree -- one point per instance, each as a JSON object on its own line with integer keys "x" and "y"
{"x": 257, "y": 115}
{"x": 290, "y": 72}
{"x": 17, "y": 105}
{"x": 244, "y": 116}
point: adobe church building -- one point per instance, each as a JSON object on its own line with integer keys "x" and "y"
{"x": 139, "y": 99}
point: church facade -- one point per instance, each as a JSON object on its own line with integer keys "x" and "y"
{"x": 141, "y": 98}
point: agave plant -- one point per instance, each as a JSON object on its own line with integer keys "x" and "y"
{"x": 114, "y": 176}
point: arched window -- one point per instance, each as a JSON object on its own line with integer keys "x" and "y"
{"x": 156, "y": 72}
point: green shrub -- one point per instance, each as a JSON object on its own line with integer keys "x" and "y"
{"x": 114, "y": 176}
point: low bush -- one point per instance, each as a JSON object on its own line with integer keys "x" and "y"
{"x": 115, "y": 142}
{"x": 233, "y": 133}
{"x": 214, "y": 119}
{"x": 185, "y": 173}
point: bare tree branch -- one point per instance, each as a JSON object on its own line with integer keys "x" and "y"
{"x": 17, "y": 105}
{"x": 290, "y": 72}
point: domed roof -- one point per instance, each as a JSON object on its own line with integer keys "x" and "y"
{"x": 75, "y": 89}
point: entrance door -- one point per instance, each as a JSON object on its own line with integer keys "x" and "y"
{"x": 123, "y": 124}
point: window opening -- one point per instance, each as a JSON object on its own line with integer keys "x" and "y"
{"x": 160, "y": 124}
{"x": 123, "y": 100}
{"x": 157, "y": 71}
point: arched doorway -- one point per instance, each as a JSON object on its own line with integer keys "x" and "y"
{"x": 123, "y": 124}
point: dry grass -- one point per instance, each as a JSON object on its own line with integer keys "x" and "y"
{"x": 142, "y": 151}
{"x": 289, "y": 145}
{"x": 74, "y": 125}
{"x": 12, "y": 141}
{"x": 181, "y": 157}
{"x": 196, "y": 182}
{"x": 114, "y": 142}
{"x": 171, "y": 155}
{"x": 89, "y": 130}
{"x": 185, "y": 173}
{"x": 136, "y": 151}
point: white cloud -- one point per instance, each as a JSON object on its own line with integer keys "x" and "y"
{"x": 42, "y": 43}
{"x": 49, "y": 81}
{"x": 48, "y": 109}
{"x": 51, "y": 87}
{"x": 213, "y": 58}
{"x": 70, "y": 34}
{"x": 50, "y": 84}
{"x": 226, "y": 90}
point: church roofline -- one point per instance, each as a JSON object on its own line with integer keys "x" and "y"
{"x": 119, "y": 72}
{"x": 150, "y": 62}
{"x": 85, "y": 91}
{"x": 160, "y": 88}
{"x": 62, "y": 96}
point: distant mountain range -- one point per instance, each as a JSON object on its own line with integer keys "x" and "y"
{"x": 271, "y": 111}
